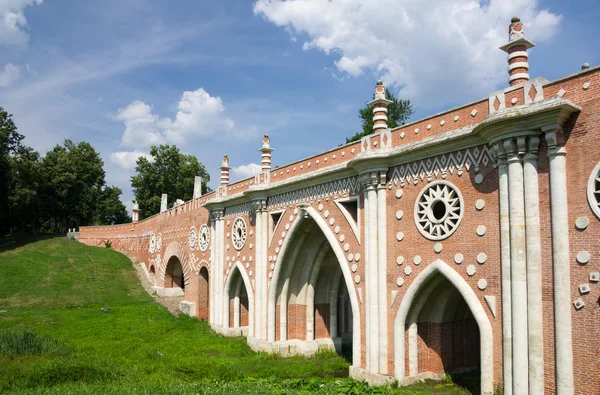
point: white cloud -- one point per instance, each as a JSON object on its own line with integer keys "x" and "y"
{"x": 127, "y": 159}
{"x": 199, "y": 115}
{"x": 142, "y": 127}
{"x": 245, "y": 171}
{"x": 436, "y": 51}
{"x": 13, "y": 24}
{"x": 10, "y": 74}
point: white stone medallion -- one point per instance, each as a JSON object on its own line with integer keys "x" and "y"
{"x": 159, "y": 242}
{"x": 152, "y": 246}
{"x": 239, "y": 233}
{"x": 438, "y": 210}
{"x": 192, "y": 238}
{"x": 204, "y": 238}
{"x": 593, "y": 190}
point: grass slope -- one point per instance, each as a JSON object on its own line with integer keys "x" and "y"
{"x": 55, "y": 338}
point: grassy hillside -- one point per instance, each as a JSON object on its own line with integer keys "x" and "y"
{"x": 55, "y": 336}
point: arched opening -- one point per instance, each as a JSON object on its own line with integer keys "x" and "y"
{"x": 152, "y": 275}
{"x": 174, "y": 274}
{"x": 312, "y": 307}
{"x": 237, "y": 309}
{"x": 442, "y": 328}
{"x": 203, "y": 294}
{"x": 446, "y": 332}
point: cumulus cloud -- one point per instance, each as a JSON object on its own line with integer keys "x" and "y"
{"x": 13, "y": 24}
{"x": 10, "y": 74}
{"x": 435, "y": 51}
{"x": 143, "y": 128}
{"x": 245, "y": 171}
{"x": 127, "y": 159}
{"x": 199, "y": 115}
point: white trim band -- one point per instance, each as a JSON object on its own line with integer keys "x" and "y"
{"x": 518, "y": 76}
{"x": 380, "y": 109}
{"x": 518, "y": 54}
{"x": 380, "y": 118}
{"x": 518, "y": 65}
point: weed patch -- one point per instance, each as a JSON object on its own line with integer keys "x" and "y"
{"x": 28, "y": 343}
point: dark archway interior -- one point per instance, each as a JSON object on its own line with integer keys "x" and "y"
{"x": 448, "y": 335}
{"x": 312, "y": 298}
{"x": 238, "y": 301}
{"x": 174, "y": 274}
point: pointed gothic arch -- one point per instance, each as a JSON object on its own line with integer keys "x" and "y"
{"x": 229, "y": 290}
{"x": 280, "y": 277}
{"x": 416, "y": 295}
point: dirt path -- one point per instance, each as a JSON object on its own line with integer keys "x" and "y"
{"x": 170, "y": 302}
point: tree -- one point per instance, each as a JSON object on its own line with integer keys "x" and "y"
{"x": 24, "y": 200}
{"x": 111, "y": 210}
{"x": 398, "y": 113}
{"x": 168, "y": 172}
{"x": 10, "y": 144}
{"x": 73, "y": 177}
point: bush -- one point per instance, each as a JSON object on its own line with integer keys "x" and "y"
{"x": 108, "y": 243}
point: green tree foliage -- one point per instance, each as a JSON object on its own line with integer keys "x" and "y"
{"x": 64, "y": 189}
{"x": 111, "y": 211}
{"x": 74, "y": 178}
{"x": 24, "y": 200}
{"x": 398, "y": 113}
{"x": 10, "y": 144}
{"x": 170, "y": 172}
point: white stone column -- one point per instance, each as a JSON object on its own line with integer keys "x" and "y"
{"x": 505, "y": 268}
{"x": 265, "y": 271}
{"x": 217, "y": 266}
{"x": 212, "y": 272}
{"x": 518, "y": 270}
{"x": 372, "y": 323}
{"x": 560, "y": 258}
{"x": 534, "y": 269}
{"x": 258, "y": 305}
{"x": 382, "y": 273}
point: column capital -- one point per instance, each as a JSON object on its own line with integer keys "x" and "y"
{"x": 555, "y": 138}
{"x": 259, "y": 204}
{"x": 533, "y": 148}
{"x": 373, "y": 178}
{"x": 217, "y": 214}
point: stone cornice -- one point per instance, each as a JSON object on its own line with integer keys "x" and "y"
{"x": 528, "y": 119}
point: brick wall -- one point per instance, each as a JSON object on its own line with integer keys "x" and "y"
{"x": 296, "y": 322}
{"x": 448, "y": 346}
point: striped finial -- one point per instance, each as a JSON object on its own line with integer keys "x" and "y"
{"x": 518, "y": 65}
{"x": 380, "y": 105}
{"x": 266, "y": 153}
{"x": 225, "y": 171}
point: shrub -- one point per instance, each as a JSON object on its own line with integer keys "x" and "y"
{"x": 108, "y": 243}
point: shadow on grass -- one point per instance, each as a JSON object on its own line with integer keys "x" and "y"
{"x": 11, "y": 242}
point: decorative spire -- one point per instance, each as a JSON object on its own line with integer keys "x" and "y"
{"x": 135, "y": 213}
{"x": 518, "y": 66}
{"x": 225, "y": 171}
{"x": 380, "y": 104}
{"x": 266, "y": 153}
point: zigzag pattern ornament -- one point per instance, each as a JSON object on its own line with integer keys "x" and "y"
{"x": 334, "y": 189}
{"x": 441, "y": 165}
{"x": 238, "y": 210}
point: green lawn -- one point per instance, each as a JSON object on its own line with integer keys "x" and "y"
{"x": 55, "y": 337}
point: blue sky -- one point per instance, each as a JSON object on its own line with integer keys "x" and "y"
{"x": 212, "y": 77}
